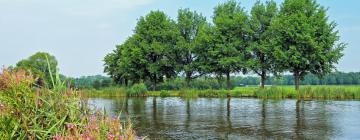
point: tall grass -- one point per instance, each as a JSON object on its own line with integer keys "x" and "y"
{"x": 106, "y": 92}
{"x": 310, "y": 92}
{"x": 137, "y": 90}
{"x": 280, "y": 92}
{"x": 27, "y": 112}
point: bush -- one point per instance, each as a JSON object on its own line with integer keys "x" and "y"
{"x": 137, "y": 90}
{"x": 30, "y": 113}
{"x": 27, "y": 112}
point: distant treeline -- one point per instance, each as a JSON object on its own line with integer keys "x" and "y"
{"x": 335, "y": 78}
{"x": 88, "y": 82}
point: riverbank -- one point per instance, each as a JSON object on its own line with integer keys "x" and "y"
{"x": 58, "y": 113}
{"x": 278, "y": 92}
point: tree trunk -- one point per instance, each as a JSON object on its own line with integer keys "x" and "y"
{"x": 262, "y": 80}
{"x": 188, "y": 79}
{"x": 297, "y": 80}
{"x": 154, "y": 83}
{"x": 219, "y": 79}
{"x": 126, "y": 82}
{"x": 228, "y": 83}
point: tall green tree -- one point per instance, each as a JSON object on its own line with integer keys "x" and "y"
{"x": 149, "y": 54}
{"x": 37, "y": 64}
{"x": 231, "y": 35}
{"x": 305, "y": 41}
{"x": 155, "y": 39}
{"x": 112, "y": 67}
{"x": 189, "y": 24}
{"x": 261, "y": 49}
{"x": 126, "y": 63}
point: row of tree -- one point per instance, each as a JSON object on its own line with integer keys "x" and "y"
{"x": 296, "y": 38}
{"x": 37, "y": 64}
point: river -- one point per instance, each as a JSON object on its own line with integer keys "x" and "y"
{"x": 236, "y": 118}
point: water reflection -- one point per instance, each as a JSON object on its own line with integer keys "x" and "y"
{"x": 234, "y": 118}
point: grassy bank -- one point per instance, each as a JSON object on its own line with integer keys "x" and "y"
{"x": 280, "y": 92}
{"x": 59, "y": 113}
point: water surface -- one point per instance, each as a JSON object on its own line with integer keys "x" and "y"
{"x": 237, "y": 118}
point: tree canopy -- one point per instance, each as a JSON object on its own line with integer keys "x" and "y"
{"x": 297, "y": 37}
{"x": 304, "y": 40}
{"x": 37, "y": 64}
{"x": 261, "y": 49}
{"x": 189, "y": 24}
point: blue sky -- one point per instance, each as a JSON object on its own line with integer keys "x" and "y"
{"x": 81, "y": 32}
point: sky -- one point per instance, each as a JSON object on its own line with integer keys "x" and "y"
{"x": 79, "y": 33}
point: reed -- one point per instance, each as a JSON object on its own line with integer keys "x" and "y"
{"x": 29, "y": 112}
{"x": 106, "y": 92}
{"x": 275, "y": 92}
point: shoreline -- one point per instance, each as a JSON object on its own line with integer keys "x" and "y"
{"x": 281, "y": 92}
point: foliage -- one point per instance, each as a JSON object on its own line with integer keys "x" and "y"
{"x": 304, "y": 40}
{"x": 35, "y": 113}
{"x": 226, "y": 49}
{"x": 106, "y": 92}
{"x": 164, "y": 93}
{"x": 298, "y": 38}
{"x": 148, "y": 54}
{"x": 189, "y": 25}
{"x": 137, "y": 90}
{"x": 37, "y": 64}
{"x": 42, "y": 113}
{"x": 276, "y": 92}
{"x": 260, "y": 21}
{"x": 88, "y": 82}
{"x": 98, "y": 127}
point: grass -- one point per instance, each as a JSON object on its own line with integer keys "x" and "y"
{"x": 278, "y": 92}
{"x": 106, "y": 92}
{"x": 60, "y": 113}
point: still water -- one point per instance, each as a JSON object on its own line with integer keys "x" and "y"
{"x": 237, "y": 118}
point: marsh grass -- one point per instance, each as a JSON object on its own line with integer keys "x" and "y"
{"x": 106, "y": 92}
{"x": 275, "y": 92}
{"x": 137, "y": 90}
{"x": 28, "y": 112}
{"x": 164, "y": 93}
{"x": 34, "y": 113}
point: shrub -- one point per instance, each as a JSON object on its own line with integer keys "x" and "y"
{"x": 137, "y": 90}
{"x": 34, "y": 113}
{"x": 41, "y": 113}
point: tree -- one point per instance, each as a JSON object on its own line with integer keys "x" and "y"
{"x": 304, "y": 40}
{"x": 112, "y": 67}
{"x": 230, "y": 40}
{"x": 125, "y": 63}
{"x": 261, "y": 50}
{"x": 189, "y": 24}
{"x": 149, "y": 54}
{"x": 156, "y": 36}
{"x": 37, "y": 64}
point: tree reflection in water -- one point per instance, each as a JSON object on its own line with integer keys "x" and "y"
{"x": 228, "y": 118}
